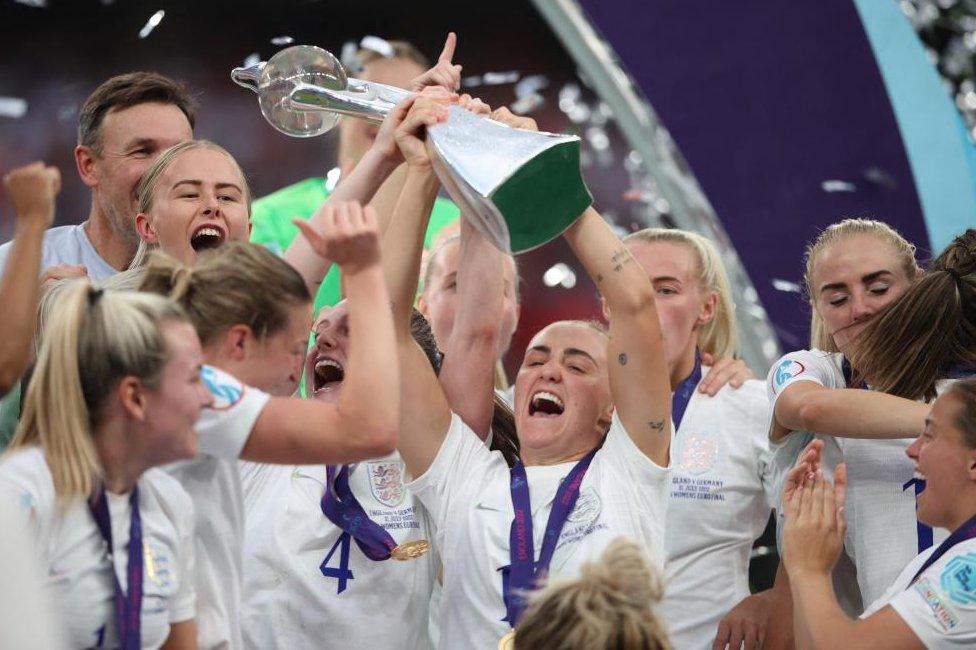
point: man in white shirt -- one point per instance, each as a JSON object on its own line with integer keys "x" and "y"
{"x": 124, "y": 124}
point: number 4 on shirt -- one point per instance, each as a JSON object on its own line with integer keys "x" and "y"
{"x": 342, "y": 573}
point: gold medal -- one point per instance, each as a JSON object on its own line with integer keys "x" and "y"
{"x": 410, "y": 550}
{"x": 507, "y": 642}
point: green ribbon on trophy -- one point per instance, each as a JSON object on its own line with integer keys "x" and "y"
{"x": 519, "y": 188}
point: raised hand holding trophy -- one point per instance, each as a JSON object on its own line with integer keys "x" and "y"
{"x": 519, "y": 188}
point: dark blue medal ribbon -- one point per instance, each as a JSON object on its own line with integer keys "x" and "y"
{"x": 342, "y": 508}
{"x": 684, "y": 392}
{"x": 959, "y": 535}
{"x": 128, "y": 603}
{"x": 524, "y": 571}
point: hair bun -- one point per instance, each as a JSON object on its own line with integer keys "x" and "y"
{"x": 624, "y": 572}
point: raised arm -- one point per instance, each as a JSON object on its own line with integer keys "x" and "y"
{"x": 470, "y": 354}
{"x": 425, "y": 415}
{"x": 845, "y": 413}
{"x": 32, "y": 190}
{"x": 637, "y": 364}
{"x": 379, "y": 175}
{"x": 363, "y": 423}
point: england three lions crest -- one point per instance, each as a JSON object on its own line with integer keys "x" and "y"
{"x": 386, "y": 481}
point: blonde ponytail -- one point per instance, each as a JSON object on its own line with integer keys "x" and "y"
{"x": 91, "y": 340}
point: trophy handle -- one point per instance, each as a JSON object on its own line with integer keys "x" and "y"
{"x": 362, "y": 99}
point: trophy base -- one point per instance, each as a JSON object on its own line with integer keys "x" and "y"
{"x": 543, "y": 197}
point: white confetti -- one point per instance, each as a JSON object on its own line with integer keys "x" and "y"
{"x": 838, "y": 186}
{"x": 527, "y": 104}
{"x": 559, "y": 274}
{"x": 252, "y": 59}
{"x": 786, "y": 285}
{"x": 497, "y": 78}
{"x": 40, "y": 4}
{"x": 282, "y": 40}
{"x": 531, "y": 85}
{"x": 14, "y": 107}
{"x": 152, "y": 23}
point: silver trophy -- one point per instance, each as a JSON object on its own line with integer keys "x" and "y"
{"x": 519, "y": 188}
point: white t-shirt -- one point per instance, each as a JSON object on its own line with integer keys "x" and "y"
{"x": 940, "y": 607}
{"x": 882, "y": 530}
{"x": 75, "y": 563}
{"x": 213, "y": 482}
{"x": 718, "y": 505}
{"x": 467, "y": 492}
{"x": 67, "y": 245}
{"x": 293, "y": 601}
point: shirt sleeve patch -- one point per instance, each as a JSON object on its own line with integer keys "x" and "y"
{"x": 947, "y": 618}
{"x": 959, "y": 579}
{"x": 227, "y": 391}
{"x": 787, "y": 370}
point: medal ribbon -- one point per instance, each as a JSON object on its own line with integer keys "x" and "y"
{"x": 961, "y": 534}
{"x": 523, "y": 570}
{"x": 342, "y": 508}
{"x": 684, "y": 391}
{"x": 128, "y": 604}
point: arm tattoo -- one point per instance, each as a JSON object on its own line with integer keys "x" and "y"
{"x": 656, "y": 425}
{"x": 622, "y": 358}
{"x": 620, "y": 257}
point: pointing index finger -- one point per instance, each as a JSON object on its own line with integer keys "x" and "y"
{"x": 448, "y": 52}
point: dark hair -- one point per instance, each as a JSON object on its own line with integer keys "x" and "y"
{"x": 235, "y": 283}
{"x": 503, "y": 436}
{"x": 125, "y": 91}
{"x": 966, "y": 422}
{"x": 928, "y": 331}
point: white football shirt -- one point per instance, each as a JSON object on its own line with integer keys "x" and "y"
{"x": 76, "y": 564}
{"x": 719, "y": 503}
{"x": 213, "y": 482}
{"x": 940, "y": 607}
{"x": 467, "y": 492}
{"x": 306, "y": 581}
{"x": 883, "y": 534}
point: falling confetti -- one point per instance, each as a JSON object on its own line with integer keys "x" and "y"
{"x": 252, "y": 59}
{"x": 838, "y": 186}
{"x": 786, "y": 285}
{"x": 282, "y": 40}
{"x": 14, "y": 107}
{"x": 559, "y": 274}
{"x": 152, "y": 23}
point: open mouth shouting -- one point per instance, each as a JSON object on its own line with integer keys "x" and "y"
{"x": 207, "y": 236}
{"x": 545, "y": 405}
{"x": 328, "y": 375}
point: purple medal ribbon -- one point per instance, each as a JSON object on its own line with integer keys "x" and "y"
{"x": 128, "y": 604}
{"x": 342, "y": 508}
{"x": 961, "y": 534}
{"x": 684, "y": 391}
{"x": 524, "y": 571}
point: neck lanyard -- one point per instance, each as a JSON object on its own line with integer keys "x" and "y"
{"x": 524, "y": 571}
{"x": 128, "y": 603}
{"x": 342, "y": 508}
{"x": 684, "y": 391}
{"x": 961, "y": 534}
